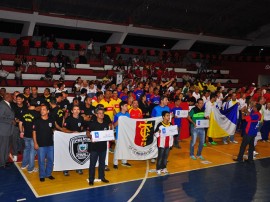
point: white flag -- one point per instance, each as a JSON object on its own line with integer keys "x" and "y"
{"x": 136, "y": 140}
{"x": 71, "y": 151}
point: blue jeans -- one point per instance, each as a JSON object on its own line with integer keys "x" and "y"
{"x": 197, "y": 132}
{"x": 29, "y": 154}
{"x": 45, "y": 153}
{"x": 162, "y": 158}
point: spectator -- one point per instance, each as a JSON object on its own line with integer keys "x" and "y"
{"x": 25, "y": 63}
{"x": 3, "y": 75}
{"x": 34, "y": 64}
{"x": 50, "y": 58}
{"x": 18, "y": 76}
{"x": 43, "y": 44}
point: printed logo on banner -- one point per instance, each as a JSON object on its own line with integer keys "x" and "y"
{"x": 144, "y": 133}
{"x": 96, "y": 135}
{"x": 78, "y": 149}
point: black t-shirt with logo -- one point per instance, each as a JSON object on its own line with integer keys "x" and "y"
{"x": 37, "y": 100}
{"x": 44, "y": 132}
{"x": 19, "y": 111}
{"x": 87, "y": 111}
{"x": 64, "y": 104}
{"x": 96, "y": 126}
{"x": 74, "y": 124}
{"x": 28, "y": 118}
{"x": 57, "y": 115}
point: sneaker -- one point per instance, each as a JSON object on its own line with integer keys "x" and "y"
{"x": 51, "y": 177}
{"x": 225, "y": 142}
{"x": 158, "y": 172}
{"x": 107, "y": 168}
{"x": 213, "y": 143}
{"x": 111, "y": 150}
{"x": 267, "y": 140}
{"x": 193, "y": 157}
{"x": 15, "y": 158}
{"x": 115, "y": 166}
{"x": 255, "y": 153}
{"x": 24, "y": 167}
{"x": 205, "y": 145}
{"x": 42, "y": 179}
{"x": 34, "y": 170}
{"x": 153, "y": 160}
{"x": 66, "y": 173}
{"x": 80, "y": 172}
{"x": 126, "y": 164}
{"x": 235, "y": 142}
{"x": 165, "y": 171}
{"x": 201, "y": 157}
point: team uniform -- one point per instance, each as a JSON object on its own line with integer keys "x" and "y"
{"x": 135, "y": 113}
{"x": 98, "y": 151}
{"x": 248, "y": 139}
{"x": 44, "y": 137}
{"x": 163, "y": 144}
{"x": 109, "y": 107}
{"x": 196, "y": 114}
{"x": 116, "y": 104}
{"x": 27, "y": 119}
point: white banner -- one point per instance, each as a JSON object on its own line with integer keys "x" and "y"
{"x": 169, "y": 131}
{"x": 181, "y": 114}
{"x": 136, "y": 140}
{"x": 202, "y": 123}
{"x": 71, "y": 151}
{"x": 99, "y": 136}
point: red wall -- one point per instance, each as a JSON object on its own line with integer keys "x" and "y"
{"x": 247, "y": 72}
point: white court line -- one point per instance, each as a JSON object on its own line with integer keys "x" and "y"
{"x": 116, "y": 183}
{"x": 27, "y": 181}
{"x": 142, "y": 183}
{"x": 220, "y": 151}
{"x": 22, "y": 199}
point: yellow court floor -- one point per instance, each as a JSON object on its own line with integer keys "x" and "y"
{"x": 179, "y": 161}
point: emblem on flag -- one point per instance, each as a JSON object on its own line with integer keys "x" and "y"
{"x": 144, "y": 133}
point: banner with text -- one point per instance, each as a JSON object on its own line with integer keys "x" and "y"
{"x": 136, "y": 140}
{"x": 71, "y": 151}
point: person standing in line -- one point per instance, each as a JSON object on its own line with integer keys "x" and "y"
{"x": 253, "y": 118}
{"x": 98, "y": 150}
{"x": 43, "y": 143}
{"x": 196, "y": 113}
{"x": 73, "y": 123}
{"x": 157, "y": 111}
{"x": 177, "y": 121}
{"x": 26, "y": 132}
{"x": 7, "y": 125}
{"x": 123, "y": 112}
{"x": 164, "y": 144}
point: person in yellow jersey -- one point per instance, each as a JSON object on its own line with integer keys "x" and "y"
{"x": 99, "y": 96}
{"x": 108, "y": 104}
{"x": 116, "y": 102}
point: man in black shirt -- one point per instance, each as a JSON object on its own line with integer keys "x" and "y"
{"x": 87, "y": 109}
{"x": 64, "y": 104}
{"x": 56, "y": 114}
{"x": 45, "y": 98}
{"x": 98, "y": 150}
{"x": 73, "y": 123}
{"x": 43, "y": 143}
{"x": 26, "y": 132}
{"x": 19, "y": 108}
{"x": 35, "y": 98}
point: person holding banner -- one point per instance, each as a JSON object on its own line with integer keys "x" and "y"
{"x": 253, "y": 118}
{"x": 164, "y": 142}
{"x": 43, "y": 143}
{"x": 176, "y": 111}
{"x": 73, "y": 123}
{"x": 196, "y": 114}
{"x": 123, "y": 112}
{"x": 98, "y": 150}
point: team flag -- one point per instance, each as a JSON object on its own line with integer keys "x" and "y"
{"x": 136, "y": 140}
{"x": 222, "y": 123}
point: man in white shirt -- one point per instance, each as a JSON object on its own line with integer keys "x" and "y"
{"x": 3, "y": 75}
{"x": 196, "y": 93}
{"x": 232, "y": 102}
{"x": 208, "y": 108}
